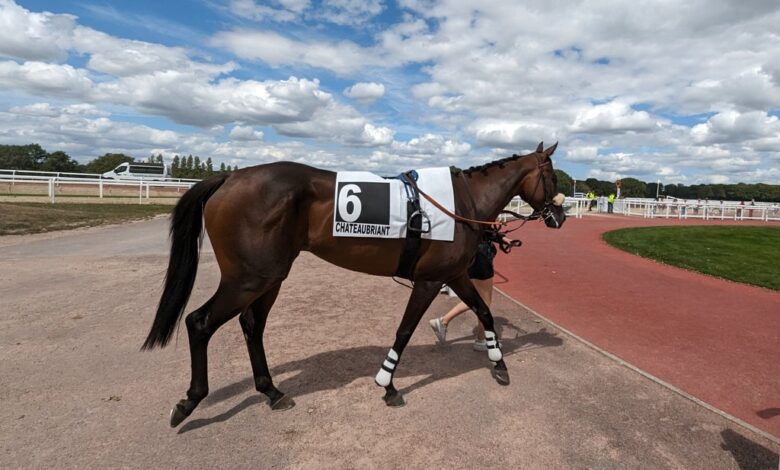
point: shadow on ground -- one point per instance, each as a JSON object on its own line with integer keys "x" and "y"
{"x": 748, "y": 454}
{"x": 334, "y": 369}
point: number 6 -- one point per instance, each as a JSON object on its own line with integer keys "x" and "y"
{"x": 345, "y": 198}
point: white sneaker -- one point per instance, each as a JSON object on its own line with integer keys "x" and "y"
{"x": 439, "y": 329}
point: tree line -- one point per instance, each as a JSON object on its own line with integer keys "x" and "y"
{"x": 34, "y": 157}
{"x": 632, "y": 187}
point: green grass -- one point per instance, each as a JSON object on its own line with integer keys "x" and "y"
{"x": 743, "y": 254}
{"x": 23, "y": 217}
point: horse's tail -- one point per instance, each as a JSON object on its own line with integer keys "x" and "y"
{"x": 186, "y": 228}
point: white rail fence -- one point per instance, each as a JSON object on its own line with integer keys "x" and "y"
{"x": 670, "y": 209}
{"x": 705, "y": 210}
{"x": 94, "y": 185}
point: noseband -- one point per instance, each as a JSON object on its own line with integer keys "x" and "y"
{"x": 546, "y": 212}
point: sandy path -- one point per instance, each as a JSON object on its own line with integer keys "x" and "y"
{"x": 76, "y": 392}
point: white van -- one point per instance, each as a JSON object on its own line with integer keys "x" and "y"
{"x": 137, "y": 171}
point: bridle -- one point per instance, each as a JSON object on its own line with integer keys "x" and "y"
{"x": 546, "y": 212}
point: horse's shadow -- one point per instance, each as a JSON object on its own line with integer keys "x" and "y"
{"x": 334, "y": 369}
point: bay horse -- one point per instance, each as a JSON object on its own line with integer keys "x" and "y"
{"x": 260, "y": 218}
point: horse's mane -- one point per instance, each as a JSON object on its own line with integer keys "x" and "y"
{"x": 483, "y": 168}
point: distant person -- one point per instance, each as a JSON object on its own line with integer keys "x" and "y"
{"x": 610, "y": 202}
{"x": 591, "y": 200}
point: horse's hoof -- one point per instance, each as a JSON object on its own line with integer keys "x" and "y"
{"x": 178, "y": 414}
{"x": 395, "y": 400}
{"x": 501, "y": 376}
{"x": 283, "y": 404}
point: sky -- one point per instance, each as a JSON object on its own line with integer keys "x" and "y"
{"x": 682, "y": 91}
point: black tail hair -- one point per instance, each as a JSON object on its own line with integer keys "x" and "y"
{"x": 186, "y": 228}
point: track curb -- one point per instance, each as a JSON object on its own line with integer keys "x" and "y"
{"x": 734, "y": 419}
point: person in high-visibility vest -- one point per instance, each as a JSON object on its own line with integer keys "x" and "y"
{"x": 591, "y": 200}
{"x": 610, "y": 202}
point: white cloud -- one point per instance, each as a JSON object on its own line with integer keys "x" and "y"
{"x": 482, "y": 75}
{"x": 247, "y": 133}
{"x": 515, "y": 135}
{"x": 613, "y": 117}
{"x": 365, "y": 93}
{"x": 431, "y": 145}
{"x": 734, "y": 127}
{"x": 349, "y": 12}
{"x": 34, "y": 36}
{"x": 274, "y": 49}
{"x": 41, "y": 78}
{"x": 280, "y": 10}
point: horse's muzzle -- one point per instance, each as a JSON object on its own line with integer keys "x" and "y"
{"x": 554, "y": 217}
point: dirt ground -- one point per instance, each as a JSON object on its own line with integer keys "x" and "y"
{"x": 76, "y": 392}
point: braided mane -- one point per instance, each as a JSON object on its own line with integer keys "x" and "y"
{"x": 483, "y": 168}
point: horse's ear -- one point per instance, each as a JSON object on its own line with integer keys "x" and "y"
{"x": 540, "y": 147}
{"x": 548, "y": 153}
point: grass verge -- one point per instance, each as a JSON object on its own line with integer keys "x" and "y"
{"x": 743, "y": 254}
{"x": 30, "y": 217}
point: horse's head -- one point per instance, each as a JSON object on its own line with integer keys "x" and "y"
{"x": 539, "y": 188}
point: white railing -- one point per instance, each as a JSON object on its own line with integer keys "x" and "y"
{"x": 17, "y": 174}
{"x": 572, "y": 206}
{"x": 53, "y": 183}
{"x": 705, "y": 210}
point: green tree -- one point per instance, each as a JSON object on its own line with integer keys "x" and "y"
{"x": 197, "y": 169}
{"x": 565, "y": 183}
{"x": 21, "y": 157}
{"x": 188, "y": 168}
{"x": 222, "y": 168}
{"x": 175, "y": 169}
{"x": 107, "y": 162}
{"x": 632, "y": 187}
{"x": 59, "y": 161}
{"x": 209, "y": 167}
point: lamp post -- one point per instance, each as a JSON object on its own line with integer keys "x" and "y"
{"x": 657, "y": 188}
{"x": 574, "y": 188}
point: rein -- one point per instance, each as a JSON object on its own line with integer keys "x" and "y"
{"x": 447, "y": 211}
{"x": 543, "y": 213}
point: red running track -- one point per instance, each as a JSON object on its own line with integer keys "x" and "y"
{"x": 716, "y": 340}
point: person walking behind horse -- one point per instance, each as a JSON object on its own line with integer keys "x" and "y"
{"x": 481, "y": 274}
{"x": 610, "y": 202}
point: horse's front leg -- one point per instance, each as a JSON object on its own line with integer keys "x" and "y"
{"x": 423, "y": 294}
{"x": 470, "y": 296}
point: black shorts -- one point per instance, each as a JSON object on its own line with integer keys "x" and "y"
{"x": 482, "y": 267}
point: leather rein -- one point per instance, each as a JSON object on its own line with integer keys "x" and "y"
{"x": 542, "y": 213}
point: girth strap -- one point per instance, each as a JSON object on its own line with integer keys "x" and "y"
{"x": 416, "y": 219}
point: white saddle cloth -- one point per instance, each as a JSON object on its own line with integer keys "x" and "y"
{"x": 367, "y": 205}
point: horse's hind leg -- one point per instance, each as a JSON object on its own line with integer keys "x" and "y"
{"x": 423, "y": 294}
{"x": 226, "y": 303}
{"x": 470, "y": 296}
{"x": 253, "y": 324}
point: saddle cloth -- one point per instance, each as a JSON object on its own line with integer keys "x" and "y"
{"x": 368, "y": 205}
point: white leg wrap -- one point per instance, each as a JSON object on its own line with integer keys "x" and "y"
{"x": 494, "y": 352}
{"x": 385, "y": 376}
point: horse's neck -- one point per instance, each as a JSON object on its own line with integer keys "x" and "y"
{"x": 493, "y": 191}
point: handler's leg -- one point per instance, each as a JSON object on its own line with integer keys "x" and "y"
{"x": 423, "y": 294}
{"x": 253, "y": 324}
{"x": 469, "y": 294}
